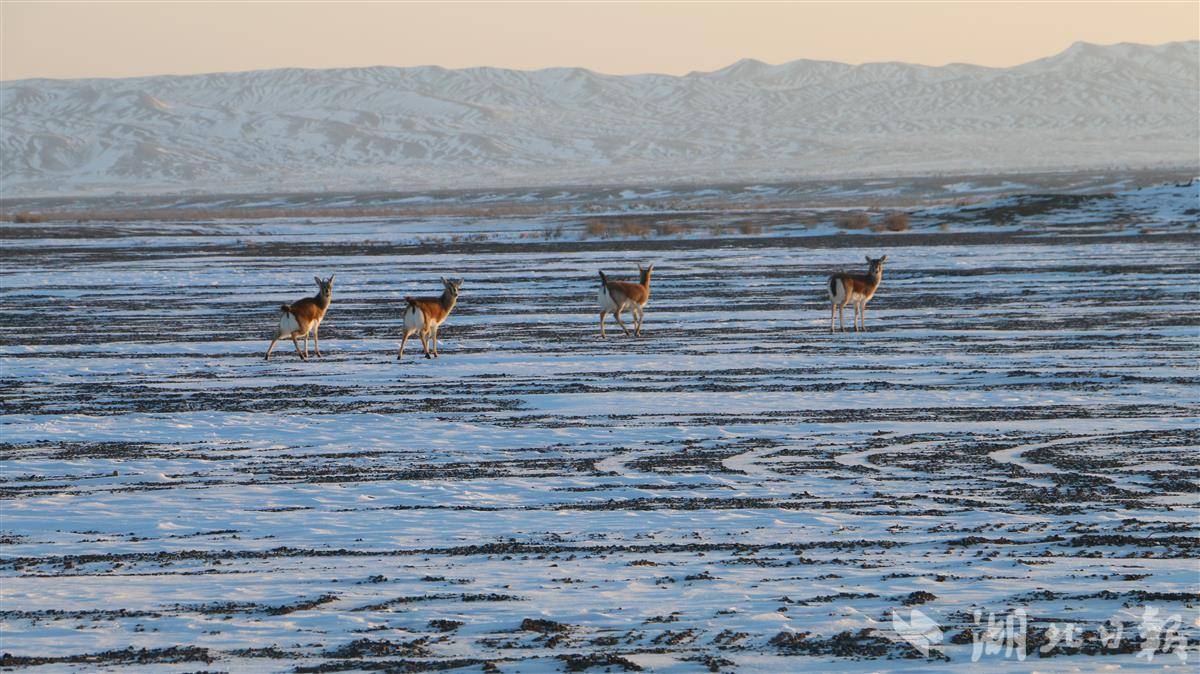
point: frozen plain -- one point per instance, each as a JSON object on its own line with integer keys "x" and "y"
{"x": 737, "y": 490}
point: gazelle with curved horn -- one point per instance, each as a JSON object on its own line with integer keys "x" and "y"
{"x": 424, "y": 315}
{"x": 298, "y": 319}
{"x": 856, "y": 289}
{"x": 617, "y": 296}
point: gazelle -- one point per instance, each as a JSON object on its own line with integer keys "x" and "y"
{"x": 424, "y": 315}
{"x": 856, "y": 289}
{"x": 617, "y": 296}
{"x": 303, "y": 317}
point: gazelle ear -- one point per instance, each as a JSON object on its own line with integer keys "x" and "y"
{"x": 444, "y": 281}
{"x": 331, "y": 278}
{"x": 882, "y": 259}
{"x": 317, "y": 279}
{"x": 869, "y": 260}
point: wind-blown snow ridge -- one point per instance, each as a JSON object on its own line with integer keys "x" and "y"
{"x": 429, "y": 127}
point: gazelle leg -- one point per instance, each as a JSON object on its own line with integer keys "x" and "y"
{"x": 403, "y": 341}
{"x": 433, "y": 338}
{"x": 306, "y": 345}
{"x": 640, "y": 315}
{"x": 302, "y": 355}
{"x": 617, "y": 315}
{"x": 842, "y": 317}
{"x": 317, "y": 341}
{"x": 832, "y": 314}
{"x": 602, "y": 324}
{"x": 862, "y": 315}
{"x": 424, "y": 343}
{"x": 271, "y": 348}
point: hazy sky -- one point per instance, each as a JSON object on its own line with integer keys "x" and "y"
{"x": 115, "y": 39}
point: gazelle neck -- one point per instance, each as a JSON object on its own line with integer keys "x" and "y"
{"x": 874, "y": 278}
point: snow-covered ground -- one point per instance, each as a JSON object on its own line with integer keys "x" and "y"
{"x": 736, "y": 490}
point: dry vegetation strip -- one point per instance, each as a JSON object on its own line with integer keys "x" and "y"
{"x": 895, "y": 221}
{"x": 638, "y": 209}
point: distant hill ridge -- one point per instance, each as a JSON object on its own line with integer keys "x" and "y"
{"x": 431, "y": 127}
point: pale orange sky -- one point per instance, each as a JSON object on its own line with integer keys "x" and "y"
{"x": 118, "y": 39}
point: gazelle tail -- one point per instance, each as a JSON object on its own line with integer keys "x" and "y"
{"x": 839, "y": 289}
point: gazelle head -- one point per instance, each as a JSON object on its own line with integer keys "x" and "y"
{"x": 452, "y": 286}
{"x": 325, "y": 288}
{"x": 875, "y": 266}
{"x": 644, "y": 273}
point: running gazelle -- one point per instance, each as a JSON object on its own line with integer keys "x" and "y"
{"x": 617, "y": 296}
{"x": 303, "y": 317}
{"x": 856, "y": 289}
{"x": 424, "y": 315}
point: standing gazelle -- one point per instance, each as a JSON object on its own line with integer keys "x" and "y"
{"x": 856, "y": 289}
{"x": 424, "y": 315}
{"x": 305, "y": 316}
{"x": 617, "y": 296}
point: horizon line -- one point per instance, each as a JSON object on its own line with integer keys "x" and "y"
{"x": 605, "y": 74}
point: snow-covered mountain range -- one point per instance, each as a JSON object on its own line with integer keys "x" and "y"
{"x": 429, "y": 127}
